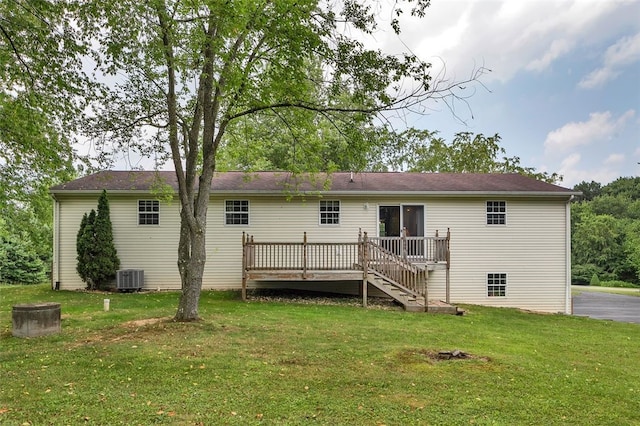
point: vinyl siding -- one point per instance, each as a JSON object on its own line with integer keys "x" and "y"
{"x": 152, "y": 248}
{"x": 276, "y": 219}
{"x": 530, "y": 248}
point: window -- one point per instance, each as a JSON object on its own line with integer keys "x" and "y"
{"x": 496, "y": 212}
{"x": 236, "y": 212}
{"x": 329, "y": 212}
{"x": 148, "y": 212}
{"x": 496, "y": 285}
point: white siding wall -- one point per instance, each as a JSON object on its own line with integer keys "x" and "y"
{"x": 154, "y": 248}
{"x": 273, "y": 219}
{"x": 530, "y": 248}
{"x": 149, "y": 247}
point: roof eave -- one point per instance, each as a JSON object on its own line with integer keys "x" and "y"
{"x": 351, "y": 193}
{"x": 447, "y": 193}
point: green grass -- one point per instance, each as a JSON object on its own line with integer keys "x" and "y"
{"x": 277, "y": 363}
{"x": 626, "y": 291}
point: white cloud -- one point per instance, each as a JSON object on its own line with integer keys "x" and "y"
{"x": 556, "y": 50}
{"x": 507, "y": 36}
{"x": 625, "y": 51}
{"x": 574, "y": 172}
{"x": 600, "y": 126}
{"x": 614, "y": 159}
{"x": 570, "y": 161}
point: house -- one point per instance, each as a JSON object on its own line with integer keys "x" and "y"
{"x": 488, "y": 239}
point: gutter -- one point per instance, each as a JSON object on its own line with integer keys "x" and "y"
{"x": 311, "y": 193}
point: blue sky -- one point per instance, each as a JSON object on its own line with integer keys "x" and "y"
{"x": 564, "y": 91}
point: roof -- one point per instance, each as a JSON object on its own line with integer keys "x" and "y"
{"x": 339, "y": 182}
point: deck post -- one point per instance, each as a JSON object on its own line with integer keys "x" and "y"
{"x": 304, "y": 256}
{"x": 244, "y": 266}
{"x": 359, "y": 246}
{"x": 365, "y": 269}
{"x": 403, "y": 242}
{"x": 425, "y": 277}
{"x": 448, "y": 257}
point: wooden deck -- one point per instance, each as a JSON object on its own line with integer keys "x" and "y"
{"x": 397, "y": 266}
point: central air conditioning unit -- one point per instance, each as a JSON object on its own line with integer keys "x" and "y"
{"x": 129, "y": 279}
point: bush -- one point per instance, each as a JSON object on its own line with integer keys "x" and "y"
{"x": 582, "y": 274}
{"x": 19, "y": 264}
{"x": 595, "y": 281}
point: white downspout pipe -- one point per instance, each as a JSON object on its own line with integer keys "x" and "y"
{"x": 55, "y": 273}
{"x": 568, "y": 308}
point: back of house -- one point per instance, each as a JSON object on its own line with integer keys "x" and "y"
{"x": 509, "y": 234}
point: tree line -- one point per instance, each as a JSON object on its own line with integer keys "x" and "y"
{"x": 605, "y": 233}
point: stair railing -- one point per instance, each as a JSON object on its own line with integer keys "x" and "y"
{"x": 395, "y": 268}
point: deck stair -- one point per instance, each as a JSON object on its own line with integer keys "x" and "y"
{"x": 410, "y": 300}
{"x": 397, "y": 266}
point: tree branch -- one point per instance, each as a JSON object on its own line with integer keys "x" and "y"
{"x": 18, "y": 55}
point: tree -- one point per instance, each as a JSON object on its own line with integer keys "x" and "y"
{"x": 83, "y": 246}
{"x": 299, "y": 140}
{"x": 424, "y": 151}
{"x": 42, "y": 89}
{"x": 190, "y": 70}
{"x": 590, "y": 190}
{"x": 628, "y": 187}
{"x": 19, "y": 264}
{"x": 106, "y": 253}
{"x": 97, "y": 256}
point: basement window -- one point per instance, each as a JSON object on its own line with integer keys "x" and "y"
{"x": 496, "y": 212}
{"x": 236, "y": 212}
{"x": 148, "y": 212}
{"x": 496, "y": 285}
{"x": 329, "y": 212}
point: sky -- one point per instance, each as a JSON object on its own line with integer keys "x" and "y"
{"x": 564, "y": 88}
{"x": 563, "y": 92}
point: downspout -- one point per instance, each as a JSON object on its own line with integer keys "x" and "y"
{"x": 568, "y": 308}
{"x": 55, "y": 273}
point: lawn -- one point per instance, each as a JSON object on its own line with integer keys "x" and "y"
{"x": 283, "y": 363}
{"x": 577, "y": 289}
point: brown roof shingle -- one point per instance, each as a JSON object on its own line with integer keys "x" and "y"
{"x": 342, "y": 182}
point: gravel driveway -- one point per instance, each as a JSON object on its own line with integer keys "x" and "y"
{"x": 614, "y": 307}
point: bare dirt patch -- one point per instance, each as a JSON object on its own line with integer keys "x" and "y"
{"x": 144, "y": 322}
{"x": 434, "y": 356}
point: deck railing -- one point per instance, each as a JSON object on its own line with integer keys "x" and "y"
{"x": 280, "y": 256}
{"x": 307, "y": 255}
{"x": 415, "y": 249}
{"x": 393, "y": 258}
{"x": 400, "y": 271}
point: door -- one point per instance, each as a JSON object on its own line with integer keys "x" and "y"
{"x": 391, "y": 220}
{"x": 413, "y": 222}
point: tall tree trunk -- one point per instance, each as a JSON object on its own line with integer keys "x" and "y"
{"x": 192, "y": 256}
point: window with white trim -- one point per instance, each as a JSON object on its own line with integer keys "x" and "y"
{"x": 496, "y": 212}
{"x": 148, "y": 212}
{"x": 236, "y": 212}
{"x": 497, "y": 285}
{"x": 329, "y": 212}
